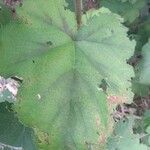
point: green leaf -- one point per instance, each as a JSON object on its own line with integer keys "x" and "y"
{"x": 129, "y": 10}
{"x": 123, "y": 137}
{"x": 39, "y": 13}
{"x": 12, "y": 132}
{"x": 147, "y": 118}
{"x": 143, "y": 35}
{"x": 140, "y": 89}
{"x": 148, "y": 130}
{"x": 130, "y": 1}
{"x": 62, "y": 70}
{"x": 141, "y": 125}
{"x": 5, "y": 15}
{"x": 144, "y": 70}
{"x": 6, "y": 96}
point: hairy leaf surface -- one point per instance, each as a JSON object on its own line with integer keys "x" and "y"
{"x": 62, "y": 70}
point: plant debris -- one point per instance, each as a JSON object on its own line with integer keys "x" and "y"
{"x": 9, "y": 84}
{"x": 137, "y": 108}
{"x": 12, "y": 4}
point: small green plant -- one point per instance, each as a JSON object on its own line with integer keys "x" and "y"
{"x": 72, "y": 71}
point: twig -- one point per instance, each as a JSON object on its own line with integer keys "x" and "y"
{"x": 78, "y": 8}
{"x": 2, "y": 146}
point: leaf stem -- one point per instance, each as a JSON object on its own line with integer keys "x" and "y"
{"x": 78, "y": 8}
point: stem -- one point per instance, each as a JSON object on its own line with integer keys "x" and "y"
{"x": 2, "y": 146}
{"x": 78, "y": 8}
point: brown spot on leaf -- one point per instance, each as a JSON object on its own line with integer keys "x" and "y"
{"x": 114, "y": 99}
